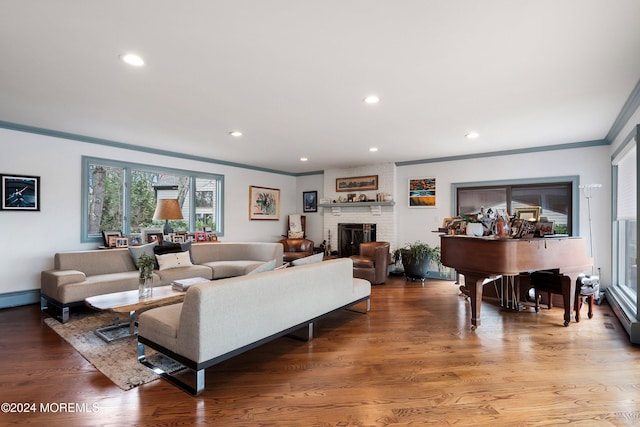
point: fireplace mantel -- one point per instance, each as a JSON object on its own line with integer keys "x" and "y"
{"x": 375, "y": 207}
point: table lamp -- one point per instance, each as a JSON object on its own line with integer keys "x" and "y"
{"x": 167, "y": 209}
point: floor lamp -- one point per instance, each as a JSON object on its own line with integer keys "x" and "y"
{"x": 167, "y": 209}
{"x": 593, "y": 281}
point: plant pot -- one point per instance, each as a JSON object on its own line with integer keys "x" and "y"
{"x": 416, "y": 270}
{"x": 475, "y": 229}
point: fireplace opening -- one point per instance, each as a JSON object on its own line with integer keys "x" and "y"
{"x": 351, "y": 235}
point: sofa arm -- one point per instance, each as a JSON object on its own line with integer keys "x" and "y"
{"x": 51, "y": 280}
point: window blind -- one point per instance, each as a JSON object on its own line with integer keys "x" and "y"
{"x": 627, "y": 196}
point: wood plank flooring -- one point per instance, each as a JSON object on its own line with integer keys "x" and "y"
{"x": 413, "y": 360}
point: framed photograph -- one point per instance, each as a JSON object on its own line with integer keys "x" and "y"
{"x": 357, "y": 183}
{"x": 544, "y": 228}
{"x": 20, "y": 193}
{"x": 155, "y": 237}
{"x": 179, "y": 238}
{"x": 310, "y": 201}
{"x": 264, "y": 203}
{"x": 422, "y": 193}
{"x": 147, "y": 232}
{"x": 122, "y": 242}
{"x": 108, "y": 235}
{"x": 135, "y": 239}
{"x": 530, "y": 213}
{"x": 201, "y": 236}
{"x": 191, "y": 237}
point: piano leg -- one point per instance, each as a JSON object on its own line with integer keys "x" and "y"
{"x": 474, "y": 283}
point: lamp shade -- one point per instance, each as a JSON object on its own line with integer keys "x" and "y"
{"x": 167, "y": 209}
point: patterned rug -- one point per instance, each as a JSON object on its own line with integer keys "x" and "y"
{"x": 118, "y": 360}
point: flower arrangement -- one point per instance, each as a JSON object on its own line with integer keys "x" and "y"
{"x": 145, "y": 265}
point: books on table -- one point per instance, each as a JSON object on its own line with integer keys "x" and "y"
{"x": 184, "y": 284}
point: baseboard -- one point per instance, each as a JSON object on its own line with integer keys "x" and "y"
{"x": 624, "y": 311}
{"x": 15, "y": 299}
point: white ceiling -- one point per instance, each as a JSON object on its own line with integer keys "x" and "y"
{"x": 292, "y": 74}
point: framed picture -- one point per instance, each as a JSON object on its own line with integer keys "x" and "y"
{"x": 310, "y": 201}
{"x": 357, "y": 183}
{"x": 147, "y": 232}
{"x": 530, "y": 213}
{"x": 20, "y": 193}
{"x": 109, "y": 236}
{"x": 422, "y": 193}
{"x": 264, "y": 203}
{"x": 201, "y": 236}
{"x": 122, "y": 242}
{"x": 544, "y": 228}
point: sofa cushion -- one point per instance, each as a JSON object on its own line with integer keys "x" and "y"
{"x": 223, "y": 269}
{"x": 173, "y": 260}
{"x": 308, "y": 260}
{"x": 267, "y": 266}
{"x": 171, "y": 247}
{"x": 98, "y": 285}
{"x": 168, "y": 276}
{"x": 137, "y": 251}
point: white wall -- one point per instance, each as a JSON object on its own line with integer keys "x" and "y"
{"x": 314, "y": 219}
{"x": 592, "y": 165}
{"x": 31, "y": 238}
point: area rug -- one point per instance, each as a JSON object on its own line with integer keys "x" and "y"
{"x": 118, "y": 360}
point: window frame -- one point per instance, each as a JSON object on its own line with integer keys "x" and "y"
{"x": 85, "y": 237}
{"x": 572, "y": 180}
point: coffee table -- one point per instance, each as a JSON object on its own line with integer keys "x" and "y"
{"x": 129, "y": 303}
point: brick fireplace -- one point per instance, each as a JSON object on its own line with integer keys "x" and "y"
{"x": 382, "y": 217}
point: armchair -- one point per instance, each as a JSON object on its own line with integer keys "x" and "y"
{"x": 372, "y": 263}
{"x": 296, "y": 248}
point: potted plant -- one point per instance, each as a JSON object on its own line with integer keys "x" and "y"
{"x": 416, "y": 258}
{"x": 474, "y": 225}
{"x": 145, "y": 265}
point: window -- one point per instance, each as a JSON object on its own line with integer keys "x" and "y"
{"x": 122, "y": 196}
{"x": 626, "y": 222}
{"x": 555, "y": 199}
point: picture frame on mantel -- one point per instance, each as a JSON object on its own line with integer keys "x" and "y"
{"x": 422, "y": 192}
{"x": 357, "y": 183}
{"x": 264, "y": 203}
{"x": 20, "y": 192}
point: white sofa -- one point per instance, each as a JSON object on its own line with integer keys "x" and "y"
{"x": 223, "y": 318}
{"x": 81, "y": 274}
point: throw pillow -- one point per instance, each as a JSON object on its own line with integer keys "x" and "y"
{"x": 173, "y": 260}
{"x": 308, "y": 259}
{"x": 136, "y": 251}
{"x": 267, "y": 266}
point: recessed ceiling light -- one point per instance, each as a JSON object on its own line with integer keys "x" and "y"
{"x": 472, "y": 135}
{"x": 372, "y": 99}
{"x": 303, "y": 159}
{"x": 132, "y": 59}
{"x": 235, "y": 133}
{"x": 373, "y": 149}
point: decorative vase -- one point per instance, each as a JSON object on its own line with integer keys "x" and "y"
{"x": 145, "y": 289}
{"x": 475, "y": 229}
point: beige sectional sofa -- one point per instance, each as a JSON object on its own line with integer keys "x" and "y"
{"x": 80, "y": 274}
{"x": 223, "y": 318}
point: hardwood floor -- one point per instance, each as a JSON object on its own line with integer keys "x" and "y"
{"x": 413, "y": 360}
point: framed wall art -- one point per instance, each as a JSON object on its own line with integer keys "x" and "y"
{"x": 357, "y": 183}
{"x": 531, "y": 213}
{"x": 20, "y": 192}
{"x": 264, "y": 203}
{"x": 310, "y": 201}
{"x": 422, "y": 193}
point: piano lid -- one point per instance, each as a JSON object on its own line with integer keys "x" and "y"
{"x": 490, "y": 255}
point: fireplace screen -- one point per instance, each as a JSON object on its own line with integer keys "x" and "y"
{"x": 351, "y": 235}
